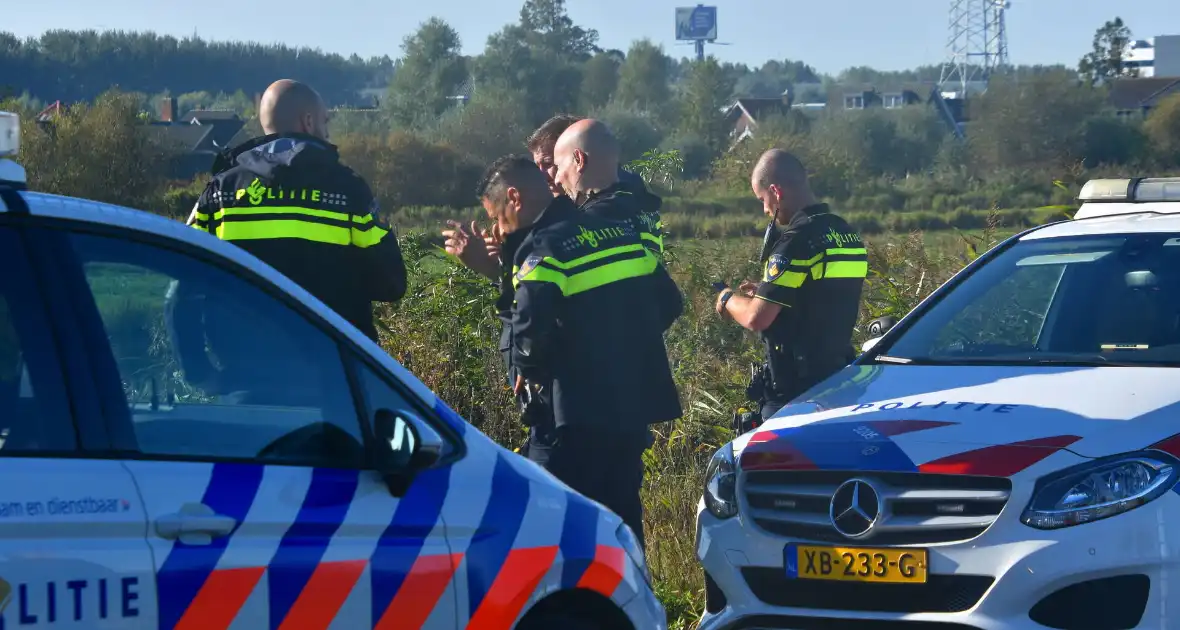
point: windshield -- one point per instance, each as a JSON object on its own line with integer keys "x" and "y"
{"x": 1091, "y": 300}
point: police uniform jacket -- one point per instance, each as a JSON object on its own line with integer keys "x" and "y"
{"x": 629, "y": 201}
{"x": 592, "y": 305}
{"x": 816, "y": 270}
{"x": 288, "y": 200}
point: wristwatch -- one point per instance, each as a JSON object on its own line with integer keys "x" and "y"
{"x": 725, "y": 299}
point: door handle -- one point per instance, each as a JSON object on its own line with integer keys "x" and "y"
{"x": 194, "y": 524}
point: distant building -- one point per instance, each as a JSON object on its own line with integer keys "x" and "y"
{"x": 1135, "y": 98}
{"x": 198, "y": 136}
{"x": 1154, "y": 57}
{"x": 744, "y": 114}
{"x": 862, "y": 96}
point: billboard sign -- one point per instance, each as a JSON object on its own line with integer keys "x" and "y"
{"x": 696, "y": 23}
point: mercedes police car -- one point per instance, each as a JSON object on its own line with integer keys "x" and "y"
{"x": 1005, "y": 457}
{"x": 136, "y": 496}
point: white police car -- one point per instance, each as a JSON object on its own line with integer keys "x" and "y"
{"x": 348, "y": 497}
{"x": 1006, "y": 456}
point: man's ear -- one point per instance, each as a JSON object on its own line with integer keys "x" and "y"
{"x": 775, "y": 192}
{"x": 513, "y": 195}
{"x": 580, "y": 159}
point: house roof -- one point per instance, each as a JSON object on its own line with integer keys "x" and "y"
{"x": 755, "y": 108}
{"x": 1137, "y": 93}
{"x": 184, "y": 137}
{"x": 202, "y": 115}
{"x": 221, "y": 133}
{"x": 922, "y": 89}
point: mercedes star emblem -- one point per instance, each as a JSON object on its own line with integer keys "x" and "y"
{"x": 855, "y": 508}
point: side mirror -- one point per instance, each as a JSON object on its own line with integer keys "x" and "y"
{"x": 404, "y": 444}
{"x": 877, "y": 329}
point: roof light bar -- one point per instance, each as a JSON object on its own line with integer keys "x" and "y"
{"x": 1131, "y": 190}
{"x": 1107, "y": 190}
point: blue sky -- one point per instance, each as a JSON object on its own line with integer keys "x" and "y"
{"x": 828, "y": 34}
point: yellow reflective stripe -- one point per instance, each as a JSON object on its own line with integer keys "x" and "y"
{"x": 311, "y": 212}
{"x": 846, "y": 251}
{"x": 592, "y": 257}
{"x": 847, "y": 269}
{"x": 790, "y": 279}
{"x": 197, "y": 225}
{"x": 201, "y": 216}
{"x": 657, "y": 240}
{"x": 284, "y": 228}
{"x": 369, "y": 237}
{"x": 593, "y": 278}
{"x": 807, "y": 263}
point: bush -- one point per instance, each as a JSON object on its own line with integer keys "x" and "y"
{"x": 397, "y": 164}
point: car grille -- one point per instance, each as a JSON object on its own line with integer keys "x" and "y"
{"x": 940, "y": 594}
{"x": 917, "y": 508}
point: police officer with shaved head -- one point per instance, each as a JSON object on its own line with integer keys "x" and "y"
{"x": 286, "y": 198}
{"x": 585, "y": 333}
{"x": 807, "y": 302}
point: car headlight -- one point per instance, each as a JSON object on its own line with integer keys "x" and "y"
{"x": 630, "y": 544}
{"x": 721, "y": 483}
{"x": 1098, "y": 490}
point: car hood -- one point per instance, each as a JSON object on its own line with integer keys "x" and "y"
{"x": 990, "y": 420}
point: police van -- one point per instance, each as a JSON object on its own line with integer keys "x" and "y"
{"x": 142, "y": 492}
{"x": 1004, "y": 457}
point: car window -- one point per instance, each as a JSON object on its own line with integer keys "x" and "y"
{"x": 34, "y": 417}
{"x": 215, "y": 367}
{"x": 1092, "y": 299}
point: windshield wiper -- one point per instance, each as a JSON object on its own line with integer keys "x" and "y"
{"x": 884, "y": 358}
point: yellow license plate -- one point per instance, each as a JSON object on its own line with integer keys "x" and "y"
{"x": 856, "y": 564}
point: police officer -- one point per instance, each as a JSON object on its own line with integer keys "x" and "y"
{"x": 598, "y": 183}
{"x": 808, "y": 299}
{"x": 286, "y": 198}
{"x": 586, "y": 336}
{"x": 590, "y": 156}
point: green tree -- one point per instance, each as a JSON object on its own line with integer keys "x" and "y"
{"x": 708, "y": 88}
{"x": 551, "y": 31}
{"x": 1032, "y": 122}
{"x": 540, "y": 57}
{"x": 637, "y": 131}
{"x": 494, "y": 122}
{"x": 1163, "y": 129}
{"x": 99, "y": 151}
{"x": 430, "y": 71}
{"x": 600, "y": 77}
{"x": 1105, "y": 61}
{"x": 643, "y": 77}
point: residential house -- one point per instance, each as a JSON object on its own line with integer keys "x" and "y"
{"x": 1136, "y": 97}
{"x": 743, "y": 115}
{"x": 848, "y": 96}
{"x": 198, "y": 136}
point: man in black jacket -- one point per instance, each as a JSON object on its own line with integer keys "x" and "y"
{"x": 286, "y": 198}
{"x": 587, "y": 146}
{"x": 586, "y": 336}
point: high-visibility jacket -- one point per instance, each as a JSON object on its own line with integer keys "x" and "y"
{"x": 287, "y": 199}
{"x": 591, "y": 308}
{"x": 816, "y": 270}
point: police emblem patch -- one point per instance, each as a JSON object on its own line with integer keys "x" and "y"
{"x": 775, "y": 267}
{"x": 528, "y": 265}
